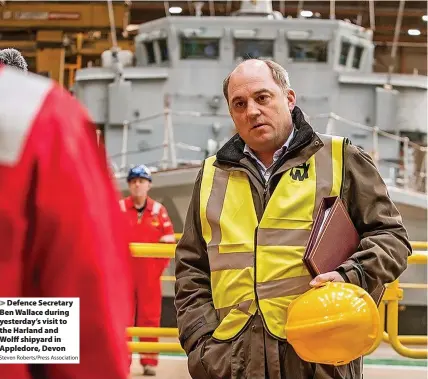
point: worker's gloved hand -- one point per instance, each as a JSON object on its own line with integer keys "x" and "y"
{"x": 332, "y": 276}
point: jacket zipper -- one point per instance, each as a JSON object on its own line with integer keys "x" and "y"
{"x": 266, "y": 186}
{"x": 256, "y": 298}
{"x": 265, "y": 193}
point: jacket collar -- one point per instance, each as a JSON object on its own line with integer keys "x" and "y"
{"x": 233, "y": 150}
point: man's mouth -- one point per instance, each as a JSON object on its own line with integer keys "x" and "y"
{"x": 257, "y": 125}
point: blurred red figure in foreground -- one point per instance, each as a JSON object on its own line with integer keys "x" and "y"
{"x": 61, "y": 233}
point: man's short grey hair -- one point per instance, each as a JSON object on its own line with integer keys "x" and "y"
{"x": 13, "y": 58}
{"x": 279, "y": 74}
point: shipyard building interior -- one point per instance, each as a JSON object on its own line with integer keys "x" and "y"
{"x": 150, "y": 74}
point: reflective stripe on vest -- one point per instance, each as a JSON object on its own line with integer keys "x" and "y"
{"x": 247, "y": 257}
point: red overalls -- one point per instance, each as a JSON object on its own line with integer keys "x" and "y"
{"x": 152, "y": 226}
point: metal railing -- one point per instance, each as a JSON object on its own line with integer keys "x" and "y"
{"x": 409, "y": 173}
{"x": 388, "y": 306}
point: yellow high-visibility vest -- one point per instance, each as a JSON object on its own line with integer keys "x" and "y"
{"x": 258, "y": 266}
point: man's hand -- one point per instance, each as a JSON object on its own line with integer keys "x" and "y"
{"x": 332, "y": 276}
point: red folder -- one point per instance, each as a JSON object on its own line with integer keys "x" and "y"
{"x": 333, "y": 240}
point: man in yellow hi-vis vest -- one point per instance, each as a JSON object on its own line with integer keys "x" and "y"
{"x": 239, "y": 262}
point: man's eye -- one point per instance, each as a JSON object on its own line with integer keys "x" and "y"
{"x": 263, "y": 98}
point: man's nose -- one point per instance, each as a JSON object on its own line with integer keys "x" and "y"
{"x": 253, "y": 109}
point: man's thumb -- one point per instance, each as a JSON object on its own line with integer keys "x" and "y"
{"x": 317, "y": 281}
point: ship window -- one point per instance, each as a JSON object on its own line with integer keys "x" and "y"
{"x": 344, "y": 51}
{"x": 150, "y": 51}
{"x": 200, "y": 48}
{"x": 163, "y": 47}
{"x": 358, "y": 53}
{"x": 248, "y": 48}
{"x": 308, "y": 51}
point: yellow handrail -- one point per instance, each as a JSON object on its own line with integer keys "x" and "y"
{"x": 167, "y": 250}
{"x": 407, "y": 340}
{"x": 153, "y": 250}
{"x": 392, "y": 296}
{"x": 388, "y": 305}
{"x": 155, "y": 347}
{"x": 419, "y": 245}
{"x": 392, "y": 328}
{"x": 415, "y": 286}
{"x": 168, "y": 278}
{"x": 152, "y": 332}
{"x": 418, "y": 257}
{"x": 416, "y": 245}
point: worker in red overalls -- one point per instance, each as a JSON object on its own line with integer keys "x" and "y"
{"x": 149, "y": 223}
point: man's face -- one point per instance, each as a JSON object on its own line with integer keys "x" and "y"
{"x": 259, "y": 108}
{"x": 139, "y": 187}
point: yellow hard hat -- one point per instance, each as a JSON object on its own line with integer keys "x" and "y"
{"x": 333, "y": 324}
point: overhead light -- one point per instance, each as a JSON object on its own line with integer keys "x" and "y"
{"x": 425, "y": 18}
{"x": 306, "y": 13}
{"x": 414, "y": 32}
{"x": 175, "y": 10}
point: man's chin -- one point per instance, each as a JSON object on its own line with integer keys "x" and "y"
{"x": 263, "y": 141}
{"x": 138, "y": 194}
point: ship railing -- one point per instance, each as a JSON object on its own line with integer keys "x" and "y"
{"x": 409, "y": 172}
{"x": 169, "y": 146}
{"x": 388, "y": 306}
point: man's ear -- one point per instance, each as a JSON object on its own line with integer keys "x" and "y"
{"x": 291, "y": 97}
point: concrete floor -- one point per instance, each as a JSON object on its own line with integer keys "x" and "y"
{"x": 384, "y": 363}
